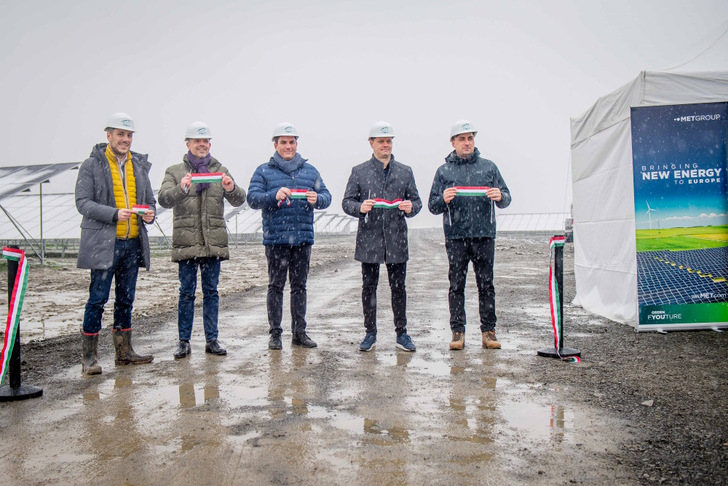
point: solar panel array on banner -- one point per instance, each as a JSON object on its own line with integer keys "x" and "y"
{"x": 682, "y": 277}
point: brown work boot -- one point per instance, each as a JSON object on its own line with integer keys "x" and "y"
{"x": 125, "y": 354}
{"x": 490, "y": 341}
{"x": 458, "y": 341}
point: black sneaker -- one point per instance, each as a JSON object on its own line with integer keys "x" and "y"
{"x": 213, "y": 347}
{"x": 275, "y": 341}
{"x": 183, "y": 350}
{"x": 302, "y": 339}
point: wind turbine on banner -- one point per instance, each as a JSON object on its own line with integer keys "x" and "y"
{"x": 648, "y": 213}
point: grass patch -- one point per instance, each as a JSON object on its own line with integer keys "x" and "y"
{"x": 676, "y": 239}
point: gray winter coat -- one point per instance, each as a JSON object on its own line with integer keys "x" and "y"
{"x": 382, "y": 233}
{"x": 95, "y": 201}
{"x": 199, "y": 228}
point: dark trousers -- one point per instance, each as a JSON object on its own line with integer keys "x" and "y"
{"x": 292, "y": 262}
{"x": 370, "y": 279}
{"x": 480, "y": 251}
{"x": 209, "y": 277}
{"x": 124, "y": 270}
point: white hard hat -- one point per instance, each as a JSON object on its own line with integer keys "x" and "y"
{"x": 198, "y": 130}
{"x": 462, "y": 126}
{"x": 285, "y": 129}
{"x": 120, "y": 120}
{"x": 381, "y": 129}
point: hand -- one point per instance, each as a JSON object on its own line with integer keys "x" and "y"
{"x": 494, "y": 194}
{"x": 406, "y": 206}
{"x": 124, "y": 214}
{"x": 283, "y": 193}
{"x": 366, "y": 206}
{"x": 449, "y": 194}
{"x": 186, "y": 182}
{"x": 312, "y": 197}
{"x": 148, "y": 216}
{"x": 227, "y": 183}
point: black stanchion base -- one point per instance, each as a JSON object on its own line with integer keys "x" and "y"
{"x": 553, "y": 353}
{"x": 23, "y": 392}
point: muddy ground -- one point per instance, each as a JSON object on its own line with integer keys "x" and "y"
{"x": 638, "y": 409}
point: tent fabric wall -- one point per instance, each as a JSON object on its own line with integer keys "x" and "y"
{"x": 605, "y": 266}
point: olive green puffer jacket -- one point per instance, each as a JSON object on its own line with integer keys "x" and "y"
{"x": 199, "y": 227}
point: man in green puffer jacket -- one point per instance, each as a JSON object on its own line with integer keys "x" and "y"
{"x": 196, "y": 189}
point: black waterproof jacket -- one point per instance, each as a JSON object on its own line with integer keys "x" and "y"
{"x": 382, "y": 233}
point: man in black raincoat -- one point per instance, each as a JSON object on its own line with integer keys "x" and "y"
{"x": 465, "y": 191}
{"x": 381, "y": 192}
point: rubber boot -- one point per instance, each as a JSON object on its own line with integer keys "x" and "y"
{"x": 90, "y": 365}
{"x": 125, "y": 354}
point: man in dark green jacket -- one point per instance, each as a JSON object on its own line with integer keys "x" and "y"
{"x": 199, "y": 235}
{"x": 465, "y": 191}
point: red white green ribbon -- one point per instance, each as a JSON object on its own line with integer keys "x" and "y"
{"x": 554, "y": 292}
{"x": 206, "y": 177}
{"x": 384, "y": 204}
{"x": 471, "y": 190}
{"x": 16, "y": 305}
{"x": 139, "y": 209}
{"x": 299, "y": 193}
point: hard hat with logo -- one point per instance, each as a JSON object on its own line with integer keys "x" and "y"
{"x": 120, "y": 120}
{"x": 381, "y": 129}
{"x": 285, "y": 129}
{"x": 462, "y": 126}
{"x": 198, "y": 130}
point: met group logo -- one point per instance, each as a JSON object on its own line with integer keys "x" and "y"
{"x": 697, "y": 118}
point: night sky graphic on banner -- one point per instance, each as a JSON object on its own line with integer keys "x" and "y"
{"x": 679, "y": 161}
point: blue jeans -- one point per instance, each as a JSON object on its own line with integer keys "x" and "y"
{"x": 480, "y": 251}
{"x": 124, "y": 270}
{"x": 292, "y": 262}
{"x": 209, "y": 276}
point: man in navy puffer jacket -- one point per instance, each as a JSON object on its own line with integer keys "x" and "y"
{"x": 287, "y": 189}
{"x": 465, "y": 191}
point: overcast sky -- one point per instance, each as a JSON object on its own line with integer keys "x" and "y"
{"x": 518, "y": 70}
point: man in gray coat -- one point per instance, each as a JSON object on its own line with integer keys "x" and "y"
{"x": 199, "y": 235}
{"x": 114, "y": 195}
{"x": 382, "y": 193}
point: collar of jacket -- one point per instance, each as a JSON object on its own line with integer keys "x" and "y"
{"x": 287, "y": 166}
{"x": 455, "y": 159}
{"x": 378, "y": 163}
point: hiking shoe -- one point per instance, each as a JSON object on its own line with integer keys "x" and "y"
{"x": 302, "y": 339}
{"x": 490, "y": 341}
{"x": 458, "y": 341}
{"x": 275, "y": 341}
{"x": 183, "y": 350}
{"x": 213, "y": 347}
{"x": 405, "y": 343}
{"x": 369, "y": 342}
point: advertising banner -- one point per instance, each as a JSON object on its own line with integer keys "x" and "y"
{"x": 679, "y": 162}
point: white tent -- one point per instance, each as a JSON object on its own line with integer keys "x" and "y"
{"x": 605, "y": 265}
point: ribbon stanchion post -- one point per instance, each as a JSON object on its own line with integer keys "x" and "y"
{"x": 10, "y": 355}
{"x": 556, "y": 299}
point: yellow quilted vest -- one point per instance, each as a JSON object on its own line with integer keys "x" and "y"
{"x": 124, "y": 193}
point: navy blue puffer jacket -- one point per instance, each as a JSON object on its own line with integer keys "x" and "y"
{"x": 287, "y": 224}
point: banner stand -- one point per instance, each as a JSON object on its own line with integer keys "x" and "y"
{"x": 15, "y": 390}
{"x": 556, "y": 285}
